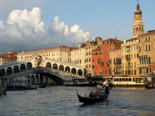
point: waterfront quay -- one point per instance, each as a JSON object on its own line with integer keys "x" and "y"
{"x": 63, "y": 101}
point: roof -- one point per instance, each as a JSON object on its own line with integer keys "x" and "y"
{"x": 8, "y": 54}
{"x": 132, "y": 39}
{"x": 148, "y": 33}
{"x": 96, "y": 50}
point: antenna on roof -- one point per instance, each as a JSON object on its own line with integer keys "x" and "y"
{"x": 137, "y": 1}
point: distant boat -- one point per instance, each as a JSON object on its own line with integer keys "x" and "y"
{"x": 150, "y": 82}
{"x": 128, "y": 81}
{"x": 19, "y": 86}
{"x": 86, "y": 81}
{"x": 76, "y": 82}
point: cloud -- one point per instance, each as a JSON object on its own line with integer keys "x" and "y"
{"x": 26, "y": 30}
{"x": 68, "y": 35}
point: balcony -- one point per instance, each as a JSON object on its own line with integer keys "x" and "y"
{"x": 128, "y": 58}
{"x": 144, "y": 65}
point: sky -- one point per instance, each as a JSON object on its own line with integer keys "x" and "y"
{"x": 35, "y": 24}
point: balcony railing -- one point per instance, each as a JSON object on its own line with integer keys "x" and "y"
{"x": 128, "y": 58}
{"x": 144, "y": 65}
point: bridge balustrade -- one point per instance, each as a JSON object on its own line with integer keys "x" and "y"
{"x": 41, "y": 70}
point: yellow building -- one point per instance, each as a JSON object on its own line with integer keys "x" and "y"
{"x": 130, "y": 57}
{"x": 78, "y": 56}
{"x": 147, "y": 53}
{"x": 89, "y": 46}
{"x": 59, "y": 53}
{"x": 116, "y": 60}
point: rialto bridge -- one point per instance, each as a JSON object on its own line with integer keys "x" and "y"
{"x": 24, "y": 69}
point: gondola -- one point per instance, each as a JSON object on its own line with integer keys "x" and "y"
{"x": 91, "y": 100}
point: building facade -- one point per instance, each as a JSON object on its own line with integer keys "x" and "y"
{"x": 8, "y": 57}
{"x": 147, "y": 53}
{"x": 101, "y": 56}
{"x": 116, "y": 60}
{"x": 130, "y": 57}
{"x": 59, "y": 53}
{"x": 78, "y": 56}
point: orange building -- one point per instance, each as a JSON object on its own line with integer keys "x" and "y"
{"x": 116, "y": 60}
{"x": 96, "y": 59}
{"x": 101, "y": 57}
{"x": 8, "y": 57}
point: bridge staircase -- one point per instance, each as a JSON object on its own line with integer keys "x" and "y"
{"x": 55, "y": 76}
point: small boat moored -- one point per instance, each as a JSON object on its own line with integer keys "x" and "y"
{"x": 19, "y": 86}
{"x": 150, "y": 82}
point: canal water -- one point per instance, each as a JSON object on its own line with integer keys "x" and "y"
{"x": 63, "y": 101}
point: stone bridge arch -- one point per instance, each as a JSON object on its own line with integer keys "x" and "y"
{"x": 2, "y": 72}
{"x": 29, "y": 65}
{"x": 67, "y": 69}
{"x": 22, "y": 67}
{"x": 16, "y": 69}
{"x": 48, "y": 65}
{"x": 80, "y": 72}
{"x": 73, "y": 71}
{"x": 61, "y": 68}
{"x": 55, "y": 66}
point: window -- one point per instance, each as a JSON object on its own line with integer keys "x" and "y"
{"x": 149, "y": 60}
{"x": 139, "y": 49}
{"x": 147, "y": 48}
{"x": 147, "y": 39}
{"x": 98, "y": 61}
{"x": 134, "y": 72}
{"x": 135, "y": 64}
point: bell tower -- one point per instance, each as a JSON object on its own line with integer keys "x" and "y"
{"x": 138, "y": 25}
